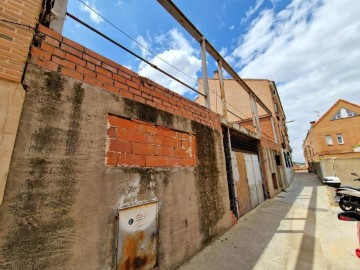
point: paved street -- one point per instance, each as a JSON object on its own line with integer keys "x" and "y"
{"x": 298, "y": 229}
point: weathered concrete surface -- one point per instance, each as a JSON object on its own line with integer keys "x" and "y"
{"x": 61, "y": 200}
{"x": 12, "y": 97}
{"x": 298, "y": 229}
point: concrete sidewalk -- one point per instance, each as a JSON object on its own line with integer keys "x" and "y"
{"x": 298, "y": 229}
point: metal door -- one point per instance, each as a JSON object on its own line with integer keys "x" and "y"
{"x": 241, "y": 184}
{"x": 258, "y": 178}
{"x": 251, "y": 180}
{"x": 137, "y": 237}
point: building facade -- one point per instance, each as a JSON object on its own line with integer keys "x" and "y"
{"x": 331, "y": 146}
{"x": 275, "y": 154}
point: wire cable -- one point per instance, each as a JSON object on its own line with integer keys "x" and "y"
{"x": 160, "y": 58}
{"x": 157, "y": 56}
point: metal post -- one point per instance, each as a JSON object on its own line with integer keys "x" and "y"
{"x": 205, "y": 73}
{"x": 58, "y": 12}
{"x": 222, "y": 90}
{"x": 255, "y": 114}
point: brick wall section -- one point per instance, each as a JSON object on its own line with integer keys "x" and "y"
{"x": 15, "y": 40}
{"x": 267, "y": 138}
{"x": 58, "y": 53}
{"x": 136, "y": 143}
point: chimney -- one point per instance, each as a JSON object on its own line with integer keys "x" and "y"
{"x": 216, "y": 74}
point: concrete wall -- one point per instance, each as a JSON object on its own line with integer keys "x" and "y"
{"x": 63, "y": 193}
{"x": 15, "y": 41}
{"x": 342, "y": 168}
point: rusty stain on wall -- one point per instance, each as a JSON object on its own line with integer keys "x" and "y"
{"x": 137, "y": 248}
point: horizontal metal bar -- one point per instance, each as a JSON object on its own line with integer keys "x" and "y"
{"x": 132, "y": 53}
{"x": 196, "y": 34}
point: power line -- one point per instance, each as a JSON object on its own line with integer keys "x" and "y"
{"x": 156, "y": 56}
{"x": 132, "y": 53}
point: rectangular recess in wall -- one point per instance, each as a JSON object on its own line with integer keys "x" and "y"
{"x": 132, "y": 142}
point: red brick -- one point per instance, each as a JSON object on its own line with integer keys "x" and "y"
{"x": 62, "y": 62}
{"x": 150, "y": 103}
{"x": 164, "y": 151}
{"x": 142, "y": 149}
{"x": 150, "y": 138}
{"x": 173, "y": 161}
{"x": 90, "y": 66}
{"x": 155, "y": 161}
{"x": 125, "y": 75}
{"x": 131, "y": 160}
{"x": 71, "y": 73}
{"x": 49, "y": 32}
{"x": 127, "y": 124}
{"x": 166, "y": 141}
{"x": 44, "y": 64}
{"x": 71, "y": 50}
{"x": 182, "y": 135}
{"x": 185, "y": 144}
{"x": 91, "y": 59}
{"x": 85, "y": 71}
{"x": 73, "y": 44}
{"x": 51, "y": 41}
{"x": 139, "y": 99}
{"x": 165, "y": 132}
{"x": 121, "y": 85}
{"x": 119, "y": 78}
{"x": 103, "y": 71}
{"x": 127, "y": 71}
{"x": 133, "y": 84}
{"x": 131, "y": 135}
{"x": 135, "y": 80}
{"x": 75, "y": 59}
{"x": 134, "y": 91}
{"x": 42, "y": 55}
{"x": 110, "y": 68}
{"x": 120, "y": 146}
{"x": 126, "y": 94}
{"x": 179, "y": 152}
{"x": 94, "y": 55}
{"x": 104, "y": 79}
{"x": 110, "y": 88}
{"x": 188, "y": 162}
{"x": 52, "y": 50}
{"x": 111, "y": 158}
{"x": 114, "y": 120}
{"x": 92, "y": 81}
{"x": 145, "y": 90}
{"x": 112, "y": 132}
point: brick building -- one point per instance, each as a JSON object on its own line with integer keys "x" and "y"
{"x": 108, "y": 169}
{"x": 330, "y": 146}
{"x": 276, "y": 151}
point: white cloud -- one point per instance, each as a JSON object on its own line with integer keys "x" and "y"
{"x": 251, "y": 11}
{"x": 180, "y": 54}
{"x": 232, "y": 27}
{"x": 92, "y": 11}
{"x": 144, "y": 46}
{"x": 311, "y": 50}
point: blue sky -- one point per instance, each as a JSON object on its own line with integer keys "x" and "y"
{"x": 310, "y": 48}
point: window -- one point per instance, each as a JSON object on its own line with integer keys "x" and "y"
{"x": 328, "y": 140}
{"x": 343, "y": 113}
{"x": 339, "y": 138}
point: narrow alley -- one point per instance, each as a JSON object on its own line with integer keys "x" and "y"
{"x": 298, "y": 229}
